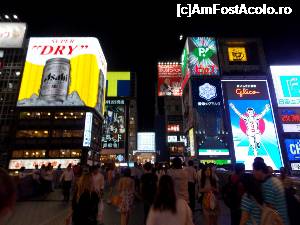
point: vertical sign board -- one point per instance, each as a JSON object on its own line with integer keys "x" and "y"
{"x": 252, "y": 122}
{"x": 88, "y": 129}
{"x": 192, "y": 141}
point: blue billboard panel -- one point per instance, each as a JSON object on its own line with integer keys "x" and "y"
{"x": 293, "y": 149}
{"x": 252, "y": 122}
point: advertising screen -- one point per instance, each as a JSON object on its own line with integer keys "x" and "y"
{"x": 16, "y": 164}
{"x": 114, "y": 125}
{"x": 293, "y": 149}
{"x": 12, "y": 34}
{"x": 252, "y": 122}
{"x": 286, "y": 81}
{"x": 219, "y": 162}
{"x": 213, "y": 152}
{"x": 295, "y": 166}
{"x": 173, "y": 128}
{"x": 118, "y": 84}
{"x": 146, "y": 142}
{"x": 290, "y": 119}
{"x": 237, "y": 54}
{"x": 64, "y": 72}
{"x": 169, "y": 80}
{"x": 88, "y": 125}
{"x": 199, "y": 58}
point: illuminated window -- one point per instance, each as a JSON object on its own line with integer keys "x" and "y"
{"x": 32, "y": 134}
{"x": 67, "y": 133}
{"x": 37, "y": 153}
{"x": 65, "y": 153}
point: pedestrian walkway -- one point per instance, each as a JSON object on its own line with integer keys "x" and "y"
{"x": 52, "y": 211}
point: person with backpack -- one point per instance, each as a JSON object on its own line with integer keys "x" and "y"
{"x": 251, "y": 201}
{"x": 272, "y": 190}
{"x": 233, "y": 192}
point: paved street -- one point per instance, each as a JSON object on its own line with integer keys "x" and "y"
{"x": 53, "y": 212}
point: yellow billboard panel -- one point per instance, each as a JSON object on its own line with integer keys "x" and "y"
{"x": 117, "y": 85}
{"x": 237, "y": 54}
{"x": 64, "y": 72}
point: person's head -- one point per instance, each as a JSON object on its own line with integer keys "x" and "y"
{"x": 68, "y": 168}
{"x": 167, "y": 81}
{"x": 283, "y": 171}
{"x": 36, "y": 167}
{"x": 136, "y": 165}
{"x": 94, "y": 169}
{"x": 191, "y": 163}
{"x": 259, "y": 159}
{"x": 148, "y": 167}
{"x": 127, "y": 172}
{"x": 201, "y": 166}
{"x": 250, "y": 111}
{"x": 207, "y": 174}
{"x": 260, "y": 170}
{"x": 270, "y": 171}
{"x": 165, "y": 199}
{"x": 84, "y": 185}
{"x": 7, "y": 193}
{"x": 177, "y": 163}
{"x": 59, "y": 165}
{"x": 239, "y": 168}
{"x": 252, "y": 187}
{"x": 22, "y": 169}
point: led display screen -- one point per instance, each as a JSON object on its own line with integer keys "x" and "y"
{"x": 252, "y": 122}
{"x": 286, "y": 81}
{"x": 64, "y": 72}
{"x": 114, "y": 126}
{"x": 146, "y": 141}
{"x": 12, "y": 34}
{"x": 293, "y": 149}
{"x": 169, "y": 80}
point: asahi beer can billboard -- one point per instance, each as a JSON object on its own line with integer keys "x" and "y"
{"x": 64, "y": 72}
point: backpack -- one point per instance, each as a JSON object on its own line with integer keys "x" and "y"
{"x": 230, "y": 194}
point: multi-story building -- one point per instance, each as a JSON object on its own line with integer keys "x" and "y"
{"x": 60, "y": 104}
{"x": 119, "y": 138}
{"x": 12, "y": 58}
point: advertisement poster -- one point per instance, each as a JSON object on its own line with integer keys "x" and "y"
{"x": 146, "y": 142}
{"x": 192, "y": 141}
{"x": 12, "y": 34}
{"x": 290, "y": 119}
{"x": 118, "y": 84}
{"x": 114, "y": 125}
{"x": 252, "y": 122}
{"x": 199, "y": 58}
{"x": 286, "y": 80}
{"x": 64, "y": 72}
{"x": 169, "y": 80}
{"x": 293, "y": 149}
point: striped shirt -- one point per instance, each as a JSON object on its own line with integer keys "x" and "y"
{"x": 250, "y": 206}
{"x": 273, "y": 194}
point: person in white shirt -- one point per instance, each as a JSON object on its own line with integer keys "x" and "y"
{"x": 66, "y": 178}
{"x": 167, "y": 209}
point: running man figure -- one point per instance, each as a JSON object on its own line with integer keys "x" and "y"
{"x": 252, "y": 124}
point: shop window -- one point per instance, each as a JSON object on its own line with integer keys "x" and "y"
{"x": 29, "y": 153}
{"x": 32, "y": 134}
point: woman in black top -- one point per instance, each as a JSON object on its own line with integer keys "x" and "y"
{"x": 85, "y": 202}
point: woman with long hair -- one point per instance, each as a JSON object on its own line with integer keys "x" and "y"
{"x": 85, "y": 202}
{"x": 209, "y": 188}
{"x": 251, "y": 200}
{"x": 126, "y": 188}
{"x": 167, "y": 209}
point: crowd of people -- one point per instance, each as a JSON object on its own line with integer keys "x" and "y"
{"x": 169, "y": 193}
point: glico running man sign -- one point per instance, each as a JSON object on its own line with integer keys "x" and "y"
{"x": 252, "y": 121}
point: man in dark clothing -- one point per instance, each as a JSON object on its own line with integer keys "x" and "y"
{"x": 148, "y": 188}
{"x": 233, "y": 193}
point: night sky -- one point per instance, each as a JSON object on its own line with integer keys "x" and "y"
{"x": 135, "y": 36}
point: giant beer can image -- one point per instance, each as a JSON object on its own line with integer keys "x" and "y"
{"x": 55, "y": 80}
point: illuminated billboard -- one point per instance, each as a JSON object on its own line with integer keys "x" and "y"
{"x": 169, "y": 80}
{"x": 173, "y": 128}
{"x": 199, "y": 58}
{"x": 237, "y": 54}
{"x": 114, "y": 125}
{"x": 12, "y": 34}
{"x": 88, "y": 126}
{"x": 293, "y": 149}
{"x": 290, "y": 119}
{"x": 118, "y": 84}
{"x": 286, "y": 81}
{"x": 146, "y": 142}
{"x": 192, "y": 141}
{"x": 64, "y": 72}
{"x": 214, "y": 152}
{"x": 16, "y": 164}
{"x": 252, "y": 122}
